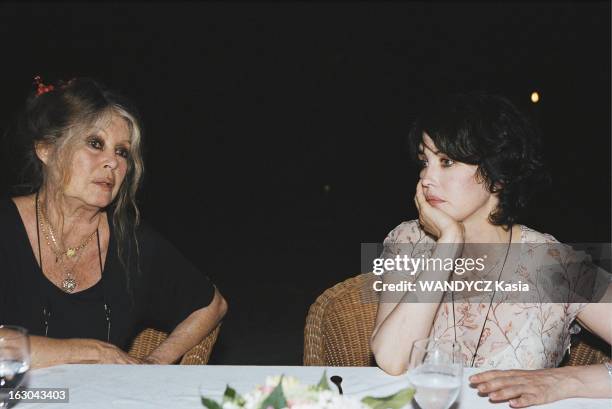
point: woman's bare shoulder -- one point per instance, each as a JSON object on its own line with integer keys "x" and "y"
{"x": 25, "y": 204}
{"x": 26, "y": 199}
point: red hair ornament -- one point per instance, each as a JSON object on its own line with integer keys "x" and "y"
{"x": 41, "y": 88}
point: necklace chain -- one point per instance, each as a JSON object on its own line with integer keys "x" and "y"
{"x": 46, "y": 311}
{"x": 57, "y": 250}
{"x": 69, "y": 283}
{"x": 488, "y": 310}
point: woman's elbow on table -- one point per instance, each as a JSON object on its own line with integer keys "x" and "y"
{"x": 390, "y": 366}
{"x": 385, "y": 360}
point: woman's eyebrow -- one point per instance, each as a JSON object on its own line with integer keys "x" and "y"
{"x": 422, "y": 151}
{"x": 101, "y": 133}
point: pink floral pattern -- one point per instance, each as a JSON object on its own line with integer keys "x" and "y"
{"x": 515, "y": 334}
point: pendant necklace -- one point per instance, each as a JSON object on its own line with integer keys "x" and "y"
{"x": 69, "y": 283}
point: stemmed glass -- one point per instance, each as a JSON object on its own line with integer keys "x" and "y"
{"x": 14, "y": 359}
{"x": 436, "y": 372}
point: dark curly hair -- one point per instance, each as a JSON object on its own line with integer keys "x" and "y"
{"x": 488, "y": 131}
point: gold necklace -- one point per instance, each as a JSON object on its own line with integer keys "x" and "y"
{"x": 70, "y": 252}
{"x": 69, "y": 283}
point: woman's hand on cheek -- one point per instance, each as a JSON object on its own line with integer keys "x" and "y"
{"x": 434, "y": 221}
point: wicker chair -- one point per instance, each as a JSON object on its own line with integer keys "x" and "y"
{"x": 149, "y": 339}
{"x": 341, "y": 320}
{"x": 587, "y": 349}
{"x": 339, "y": 324}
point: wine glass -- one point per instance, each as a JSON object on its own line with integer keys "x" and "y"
{"x": 436, "y": 372}
{"x": 14, "y": 359}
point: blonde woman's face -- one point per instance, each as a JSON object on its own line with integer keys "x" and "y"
{"x": 100, "y": 162}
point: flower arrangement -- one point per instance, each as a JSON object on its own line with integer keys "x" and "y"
{"x": 286, "y": 392}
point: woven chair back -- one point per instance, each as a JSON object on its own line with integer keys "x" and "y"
{"x": 150, "y": 338}
{"x": 339, "y": 324}
{"x": 587, "y": 349}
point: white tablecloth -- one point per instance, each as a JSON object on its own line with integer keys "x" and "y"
{"x": 176, "y": 387}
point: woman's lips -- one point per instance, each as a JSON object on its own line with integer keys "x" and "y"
{"x": 105, "y": 186}
{"x": 434, "y": 201}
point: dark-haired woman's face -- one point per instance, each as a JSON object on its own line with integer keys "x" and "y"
{"x": 452, "y": 186}
{"x": 99, "y": 164}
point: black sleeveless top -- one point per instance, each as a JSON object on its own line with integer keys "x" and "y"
{"x": 167, "y": 289}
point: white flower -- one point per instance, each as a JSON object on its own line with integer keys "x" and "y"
{"x": 331, "y": 400}
{"x": 230, "y": 405}
{"x": 298, "y": 396}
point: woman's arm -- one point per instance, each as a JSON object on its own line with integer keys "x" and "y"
{"x": 189, "y": 332}
{"x": 398, "y": 325}
{"x": 50, "y": 351}
{"x": 596, "y": 317}
{"x": 46, "y": 351}
{"x": 527, "y": 388}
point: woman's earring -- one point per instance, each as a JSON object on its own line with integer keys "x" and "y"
{"x": 497, "y": 187}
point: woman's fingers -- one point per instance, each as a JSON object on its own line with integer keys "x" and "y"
{"x": 134, "y": 361}
{"x": 422, "y": 205}
{"x": 428, "y": 215}
{"x": 493, "y": 374}
{"x": 501, "y": 382}
{"x": 525, "y": 400}
{"x": 515, "y": 386}
{"x": 116, "y": 355}
{"x": 519, "y": 396}
{"x": 111, "y": 354}
{"x": 420, "y": 196}
{"x": 419, "y": 202}
{"x": 506, "y": 387}
{"x": 121, "y": 359}
{"x": 508, "y": 392}
{"x": 128, "y": 359}
{"x": 416, "y": 198}
{"x": 522, "y": 387}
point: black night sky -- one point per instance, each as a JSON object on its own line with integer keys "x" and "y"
{"x": 275, "y": 132}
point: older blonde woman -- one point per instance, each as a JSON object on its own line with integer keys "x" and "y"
{"x": 79, "y": 269}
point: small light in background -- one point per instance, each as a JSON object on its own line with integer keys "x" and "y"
{"x": 326, "y": 188}
{"x": 535, "y": 97}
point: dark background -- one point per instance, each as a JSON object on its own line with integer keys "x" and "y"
{"x": 275, "y": 131}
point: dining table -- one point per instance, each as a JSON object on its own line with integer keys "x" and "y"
{"x": 182, "y": 386}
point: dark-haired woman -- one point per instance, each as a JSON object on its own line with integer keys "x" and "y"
{"x": 479, "y": 163}
{"x": 79, "y": 269}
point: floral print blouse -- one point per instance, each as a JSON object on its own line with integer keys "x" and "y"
{"x": 513, "y": 334}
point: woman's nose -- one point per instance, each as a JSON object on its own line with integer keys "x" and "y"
{"x": 110, "y": 162}
{"x": 428, "y": 177}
